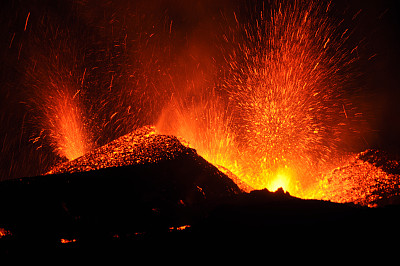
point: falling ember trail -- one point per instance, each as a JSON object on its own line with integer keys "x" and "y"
{"x": 26, "y": 21}
{"x": 344, "y": 111}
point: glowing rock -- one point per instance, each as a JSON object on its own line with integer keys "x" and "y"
{"x": 369, "y": 178}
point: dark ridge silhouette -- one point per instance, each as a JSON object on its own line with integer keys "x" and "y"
{"x": 177, "y": 197}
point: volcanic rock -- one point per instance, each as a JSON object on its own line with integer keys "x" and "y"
{"x": 145, "y": 187}
{"x": 140, "y": 183}
{"x": 145, "y": 149}
{"x": 370, "y": 178}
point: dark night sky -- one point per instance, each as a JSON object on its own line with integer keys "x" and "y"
{"x": 383, "y": 72}
{"x": 376, "y": 31}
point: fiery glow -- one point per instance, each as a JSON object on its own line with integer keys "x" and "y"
{"x": 56, "y": 97}
{"x": 286, "y": 91}
{"x": 368, "y": 178}
{"x": 275, "y": 115}
{"x": 63, "y": 123}
{"x": 179, "y": 228}
{"x": 203, "y": 125}
{"x": 4, "y": 232}
{"x": 67, "y": 128}
{"x": 285, "y": 108}
{"x": 66, "y": 241}
{"x": 282, "y": 180}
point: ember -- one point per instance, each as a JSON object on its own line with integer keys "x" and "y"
{"x": 4, "y": 232}
{"x": 66, "y": 241}
{"x": 179, "y": 228}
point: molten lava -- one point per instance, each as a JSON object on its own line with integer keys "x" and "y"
{"x": 56, "y": 100}
{"x": 276, "y": 115}
{"x": 62, "y": 122}
{"x": 285, "y": 83}
{"x": 139, "y": 147}
{"x": 66, "y": 126}
{"x": 286, "y": 120}
{"x": 282, "y": 180}
{"x": 369, "y": 178}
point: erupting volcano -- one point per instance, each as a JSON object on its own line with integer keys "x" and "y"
{"x": 282, "y": 117}
{"x": 188, "y": 110}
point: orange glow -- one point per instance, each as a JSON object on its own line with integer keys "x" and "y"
{"x": 66, "y": 241}
{"x": 57, "y": 97}
{"x": 67, "y": 128}
{"x": 278, "y": 117}
{"x": 4, "y": 232}
{"x": 285, "y": 108}
{"x": 179, "y": 228}
{"x": 365, "y": 179}
{"x": 285, "y": 92}
{"x": 61, "y": 120}
{"x": 282, "y": 180}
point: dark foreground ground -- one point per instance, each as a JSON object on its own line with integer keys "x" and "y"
{"x": 185, "y": 200}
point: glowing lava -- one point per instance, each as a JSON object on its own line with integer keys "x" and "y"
{"x": 276, "y": 114}
{"x": 282, "y": 180}
{"x": 285, "y": 108}
{"x": 286, "y": 85}
{"x": 62, "y": 122}
{"x": 56, "y": 97}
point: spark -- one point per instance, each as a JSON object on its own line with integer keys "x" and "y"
{"x": 26, "y": 21}
{"x": 12, "y": 39}
{"x": 344, "y": 111}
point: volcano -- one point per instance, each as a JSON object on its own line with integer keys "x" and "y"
{"x": 141, "y": 183}
{"x": 144, "y": 187}
{"x": 144, "y": 148}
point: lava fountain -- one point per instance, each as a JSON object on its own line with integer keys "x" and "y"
{"x": 282, "y": 117}
{"x": 62, "y": 117}
{"x": 286, "y": 82}
{"x": 55, "y": 98}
